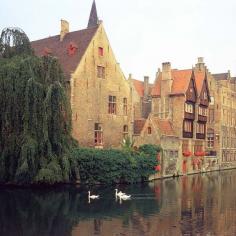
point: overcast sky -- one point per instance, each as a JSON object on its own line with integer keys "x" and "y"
{"x": 143, "y": 33}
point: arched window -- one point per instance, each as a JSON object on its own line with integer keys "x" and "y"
{"x": 149, "y": 130}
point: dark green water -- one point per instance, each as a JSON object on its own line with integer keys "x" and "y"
{"x": 193, "y": 205}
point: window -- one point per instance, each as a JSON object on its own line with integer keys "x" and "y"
{"x": 202, "y": 111}
{"x": 204, "y": 95}
{"x": 149, "y": 130}
{"x": 125, "y": 106}
{"x": 98, "y": 134}
{"x": 125, "y": 131}
{"x": 189, "y": 107}
{"x": 100, "y": 51}
{"x": 188, "y": 126}
{"x": 200, "y": 128}
{"x": 112, "y": 105}
{"x": 198, "y": 147}
{"x": 101, "y": 72}
{"x": 185, "y": 146}
{"x": 210, "y": 138}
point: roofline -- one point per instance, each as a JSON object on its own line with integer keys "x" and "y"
{"x": 58, "y": 35}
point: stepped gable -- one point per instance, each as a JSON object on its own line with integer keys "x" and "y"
{"x": 60, "y": 49}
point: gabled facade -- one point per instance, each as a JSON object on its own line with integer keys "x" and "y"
{"x": 100, "y": 94}
{"x": 221, "y": 134}
{"x": 182, "y": 97}
{"x": 160, "y": 132}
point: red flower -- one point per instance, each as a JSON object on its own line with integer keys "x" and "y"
{"x": 158, "y": 168}
{"x": 187, "y": 153}
{"x": 199, "y": 153}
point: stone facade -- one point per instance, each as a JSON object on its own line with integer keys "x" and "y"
{"x": 90, "y": 96}
{"x": 221, "y": 134}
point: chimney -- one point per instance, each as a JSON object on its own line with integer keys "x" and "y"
{"x": 166, "y": 71}
{"x": 146, "y": 86}
{"x": 64, "y": 29}
{"x": 200, "y": 64}
{"x": 166, "y": 79}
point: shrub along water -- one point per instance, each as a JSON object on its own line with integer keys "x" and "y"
{"x": 116, "y": 166}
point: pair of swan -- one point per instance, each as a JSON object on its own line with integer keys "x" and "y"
{"x": 121, "y": 195}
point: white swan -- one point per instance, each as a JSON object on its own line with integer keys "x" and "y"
{"x": 92, "y": 196}
{"x": 125, "y": 197}
{"x": 118, "y": 194}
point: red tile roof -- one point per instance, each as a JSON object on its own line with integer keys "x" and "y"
{"x": 139, "y": 86}
{"x": 181, "y": 79}
{"x": 221, "y": 76}
{"x": 199, "y": 78}
{"x": 59, "y": 49}
{"x": 164, "y": 126}
{"x": 138, "y": 126}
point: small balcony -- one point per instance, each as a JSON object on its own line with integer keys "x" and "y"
{"x": 202, "y": 118}
{"x": 189, "y": 116}
{"x": 187, "y": 134}
{"x": 200, "y": 136}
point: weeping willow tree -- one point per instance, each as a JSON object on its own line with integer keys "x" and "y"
{"x": 35, "y": 117}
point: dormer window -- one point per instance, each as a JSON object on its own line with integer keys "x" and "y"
{"x": 100, "y": 51}
{"x": 72, "y": 48}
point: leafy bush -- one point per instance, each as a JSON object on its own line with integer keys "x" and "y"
{"x": 113, "y": 166}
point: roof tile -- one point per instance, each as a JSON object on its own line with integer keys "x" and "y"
{"x": 59, "y": 49}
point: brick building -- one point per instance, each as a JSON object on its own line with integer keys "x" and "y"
{"x": 221, "y": 133}
{"x": 100, "y": 94}
{"x": 179, "y": 98}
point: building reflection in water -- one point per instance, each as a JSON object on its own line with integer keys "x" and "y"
{"x": 190, "y": 205}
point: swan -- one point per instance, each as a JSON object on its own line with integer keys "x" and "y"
{"x": 92, "y": 196}
{"x": 125, "y": 197}
{"x": 119, "y": 193}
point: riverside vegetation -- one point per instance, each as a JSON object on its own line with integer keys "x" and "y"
{"x": 36, "y": 145}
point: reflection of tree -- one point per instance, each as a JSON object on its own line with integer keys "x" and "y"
{"x": 52, "y": 213}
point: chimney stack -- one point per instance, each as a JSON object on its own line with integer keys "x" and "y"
{"x": 200, "y": 64}
{"x": 64, "y": 29}
{"x": 146, "y": 86}
{"x": 166, "y": 71}
{"x": 166, "y": 79}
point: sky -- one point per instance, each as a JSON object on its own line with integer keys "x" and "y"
{"x": 142, "y": 33}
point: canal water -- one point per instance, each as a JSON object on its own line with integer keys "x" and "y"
{"x": 190, "y": 205}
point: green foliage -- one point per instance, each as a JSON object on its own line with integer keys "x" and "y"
{"x": 14, "y": 41}
{"x": 35, "y": 120}
{"x": 150, "y": 149}
{"x": 127, "y": 144}
{"x": 113, "y": 166}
